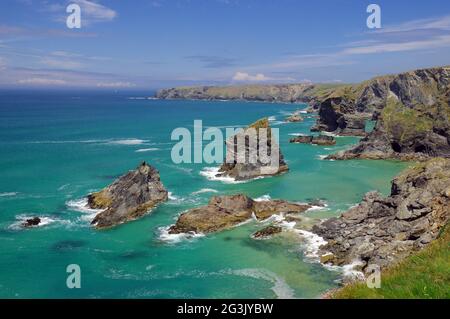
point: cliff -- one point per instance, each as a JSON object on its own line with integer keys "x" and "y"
{"x": 286, "y": 93}
{"x": 412, "y": 112}
{"x": 411, "y": 109}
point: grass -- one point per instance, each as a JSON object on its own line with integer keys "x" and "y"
{"x": 424, "y": 275}
{"x": 404, "y": 123}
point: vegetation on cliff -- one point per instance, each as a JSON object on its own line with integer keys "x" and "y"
{"x": 423, "y": 275}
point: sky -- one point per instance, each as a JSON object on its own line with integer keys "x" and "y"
{"x": 151, "y": 44}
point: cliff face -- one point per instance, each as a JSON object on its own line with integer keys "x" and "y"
{"x": 413, "y": 116}
{"x": 288, "y": 93}
{"x": 415, "y": 89}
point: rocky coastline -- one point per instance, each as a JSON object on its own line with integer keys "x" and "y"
{"x": 384, "y": 230}
{"x": 411, "y": 109}
{"x": 412, "y": 117}
{"x": 224, "y": 212}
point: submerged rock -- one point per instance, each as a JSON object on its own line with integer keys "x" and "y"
{"x": 322, "y": 140}
{"x": 255, "y": 164}
{"x": 382, "y": 230}
{"x": 267, "y": 232}
{"x": 31, "y": 222}
{"x": 224, "y": 212}
{"x": 129, "y": 197}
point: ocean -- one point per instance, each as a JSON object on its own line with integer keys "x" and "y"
{"x": 58, "y": 147}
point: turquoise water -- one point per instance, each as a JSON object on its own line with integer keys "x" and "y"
{"x": 57, "y": 148}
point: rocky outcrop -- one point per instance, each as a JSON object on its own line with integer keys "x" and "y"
{"x": 31, "y": 222}
{"x": 321, "y": 140}
{"x": 342, "y": 109}
{"x": 246, "y": 160}
{"x": 414, "y": 133}
{"x": 338, "y": 115}
{"x": 296, "y": 117}
{"x": 223, "y": 212}
{"x": 129, "y": 197}
{"x": 383, "y": 230}
{"x": 412, "y": 112}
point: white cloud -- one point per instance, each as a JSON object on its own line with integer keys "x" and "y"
{"x": 411, "y": 36}
{"x": 115, "y": 85}
{"x": 245, "y": 77}
{"x": 96, "y": 11}
{"x": 440, "y": 23}
{"x": 259, "y": 77}
{"x": 432, "y": 43}
{"x": 62, "y": 63}
{"x": 2, "y": 63}
{"x": 42, "y": 81}
{"x": 66, "y": 54}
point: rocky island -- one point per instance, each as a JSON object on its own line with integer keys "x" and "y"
{"x": 296, "y": 117}
{"x": 223, "y": 212}
{"x": 248, "y": 169}
{"x": 131, "y": 196}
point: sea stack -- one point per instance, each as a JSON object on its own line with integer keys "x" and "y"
{"x": 257, "y": 167}
{"x": 130, "y": 197}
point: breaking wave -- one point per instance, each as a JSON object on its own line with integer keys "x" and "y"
{"x": 81, "y": 205}
{"x": 280, "y": 287}
{"x": 164, "y": 236}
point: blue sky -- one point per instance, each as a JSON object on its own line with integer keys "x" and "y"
{"x": 148, "y": 44}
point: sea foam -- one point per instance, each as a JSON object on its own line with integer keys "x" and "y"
{"x": 211, "y": 172}
{"x": 141, "y": 150}
{"x": 263, "y": 198}
{"x": 81, "y": 205}
{"x": 175, "y": 238}
{"x": 205, "y": 190}
{"x": 128, "y": 141}
{"x": 280, "y": 287}
{"x": 22, "y": 218}
{"x": 8, "y": 194}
